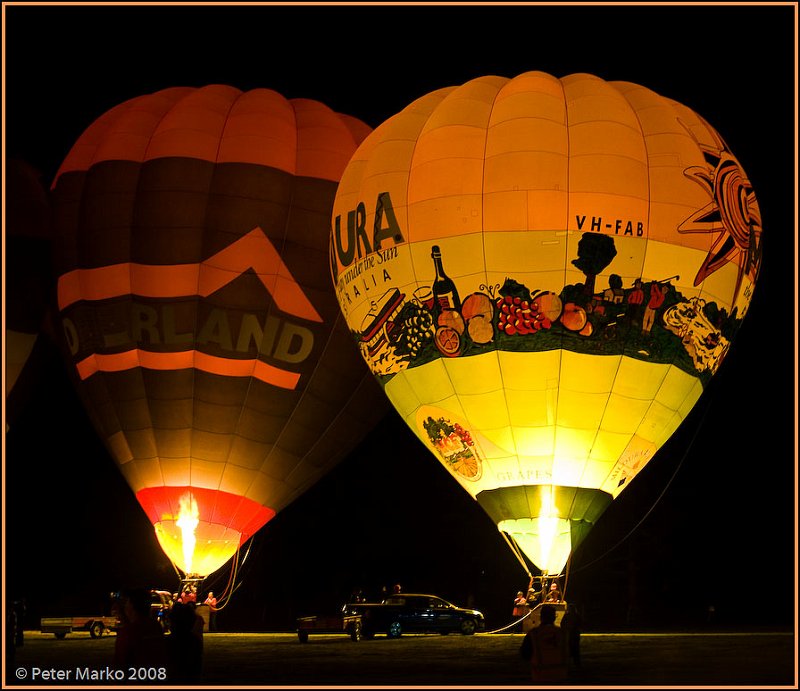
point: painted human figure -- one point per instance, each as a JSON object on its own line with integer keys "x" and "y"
{"x": 658, "y": 293}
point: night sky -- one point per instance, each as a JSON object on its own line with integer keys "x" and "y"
{"x": 710, "y": 521}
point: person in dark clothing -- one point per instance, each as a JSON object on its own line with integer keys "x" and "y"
{"x": 19, "y": 614}
{"x": 10, "y": 637}
{"x": 140, "y": 638}
{"x": 571, "y": 623}
{"x": 544, "y": 647}
{"x": 184, "y": 647}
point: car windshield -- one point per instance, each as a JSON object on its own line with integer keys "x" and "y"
{"x": 417, "y": 601}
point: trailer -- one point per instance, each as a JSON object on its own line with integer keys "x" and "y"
{"x": 334, "y": 623}
{"x": 61, "y": 626}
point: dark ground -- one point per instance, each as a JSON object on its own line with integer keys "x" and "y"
{"x": 749, "y": 659}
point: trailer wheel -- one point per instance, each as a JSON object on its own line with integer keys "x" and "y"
{"x": 61, "y": 635}
{"x": 355, "y": 631}
{"x": 302, "y": 636}
{"x": 96, "y": 630}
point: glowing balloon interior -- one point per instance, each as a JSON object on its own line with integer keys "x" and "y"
{"x": 544, "y": 274}
{"x": 199, "y": 325}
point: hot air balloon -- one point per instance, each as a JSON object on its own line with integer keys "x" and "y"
{"x": 544, "y": 274}
{"x": 198, "y": 321}
{"x": 28, "y": 278}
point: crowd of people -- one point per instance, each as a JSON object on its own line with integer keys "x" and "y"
{"x": 175, "y": 644}
{"x": 538, "y": 593}
{"x": 550, "y": 647}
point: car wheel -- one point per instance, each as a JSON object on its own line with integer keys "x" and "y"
{"x": 97, "y": 629}
{"x": 468, "y": 627}
{"x": 395, "y": 630}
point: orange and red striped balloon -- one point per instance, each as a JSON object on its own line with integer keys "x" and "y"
{"x": 199, "y": 323}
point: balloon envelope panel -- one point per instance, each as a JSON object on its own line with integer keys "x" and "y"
{"x": 199, "y": 324}
{"x": 544, "y": 274}
{"x": 28, "y": 275}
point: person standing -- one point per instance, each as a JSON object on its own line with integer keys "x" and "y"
{"x": 184, "y": 648}
{"x": 19, "y": 614}
{"x": 658, "y": 294}
{"x": 211, "y": 601}
{"x": 554, "y": 594}
{"x": 140, "y": 638}
{"x": 571, "y": 624}
{"x": 520, "y": 609}
{"x": 544, "y": 646}
{"x": 635, "y": 302}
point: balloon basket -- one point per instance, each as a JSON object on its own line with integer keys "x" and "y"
{"x": 191, "y": 579}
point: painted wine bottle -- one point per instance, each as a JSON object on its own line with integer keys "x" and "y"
{"x": 444, "y": 289}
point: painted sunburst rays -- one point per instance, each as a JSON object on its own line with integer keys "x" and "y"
{"x": 732, "y": 212}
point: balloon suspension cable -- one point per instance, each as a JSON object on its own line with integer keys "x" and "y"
{"x": 232, "y": 585}
{"x": 517, "y": 552}
{"x": 210, "y": 582}
{"x": 519, "y": 620}
{"x": 227, "y": 591}
{"x": 658, "y": 498}
{"x": 566, "y": 577}
{"x": 177, "y": 573}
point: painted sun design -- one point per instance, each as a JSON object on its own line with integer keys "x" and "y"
{"x": 732, "y": 213}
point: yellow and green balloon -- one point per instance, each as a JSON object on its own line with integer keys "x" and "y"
{"x": 544, "y": 274}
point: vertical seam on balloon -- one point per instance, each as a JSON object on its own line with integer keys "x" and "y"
{"x": 496, "y": 351}
{"x": 342, "y": 406}
{"x": 152, "y": 428}
{"x": 233, "y": 434}
{"x": 414, "y": 277}
{"x": 198, "y": 301}
{"x": 411, "y": 158}
{"x": 105, "y": 376}
{"x": 293, "y": 174}
{"x": 650, "y": 407}
{"x": 106, "y": 434}
{"x": 628, "y": 336}
{"x": 338, "y": 120}
{"x": 567, "y": 134}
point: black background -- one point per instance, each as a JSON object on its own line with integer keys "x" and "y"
{"x": 710, "y": 521}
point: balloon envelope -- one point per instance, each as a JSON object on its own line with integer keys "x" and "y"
{"x": 544, "y": 274}
{"x": 199, "y": 325}
{"x": 28, "y": 282}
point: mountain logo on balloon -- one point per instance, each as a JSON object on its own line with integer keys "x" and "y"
{"x": 254, "y": 252}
